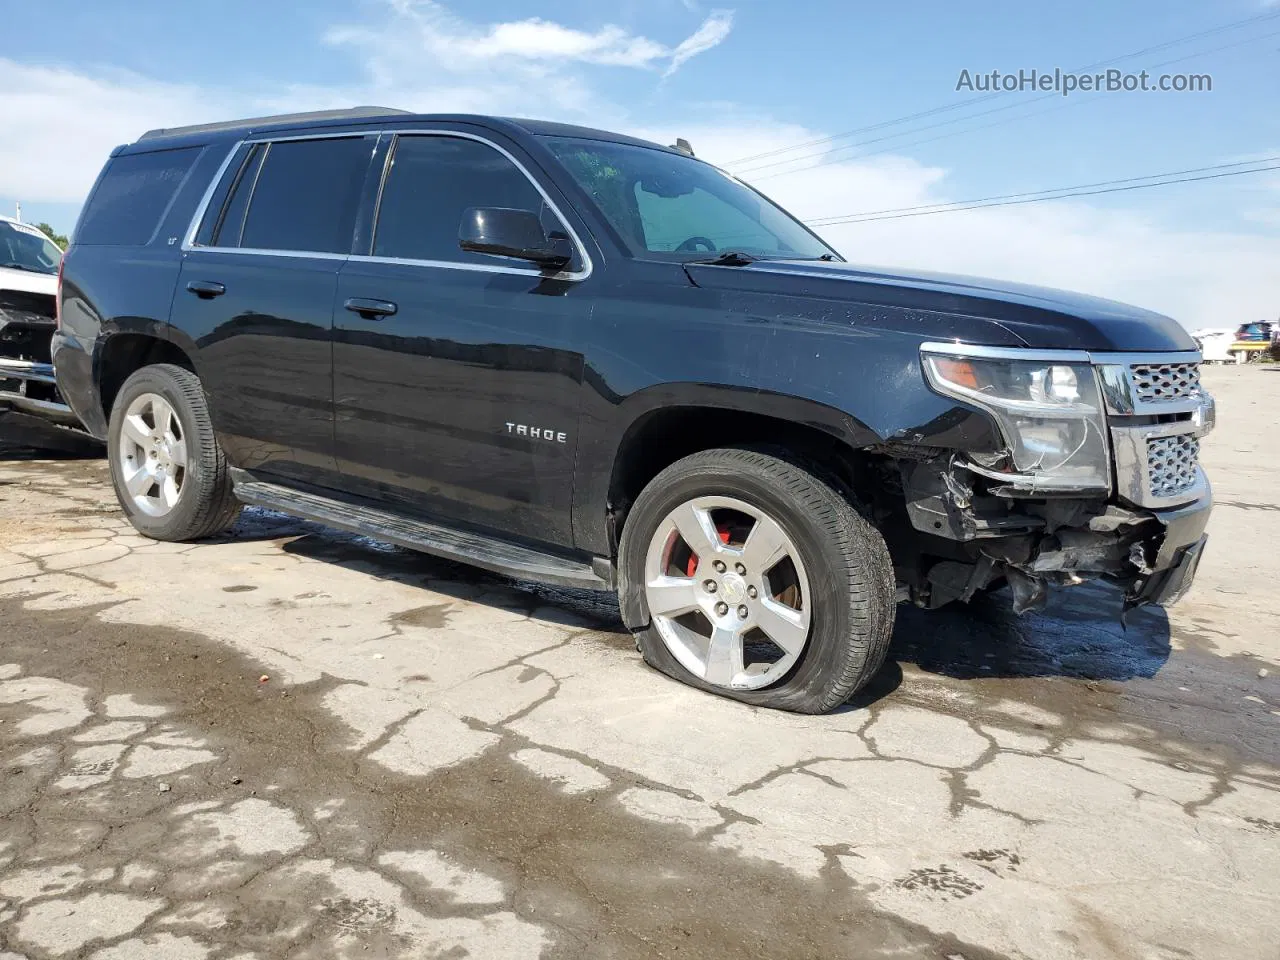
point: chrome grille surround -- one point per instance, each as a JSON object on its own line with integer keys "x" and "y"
{"x": 1145, "y": 384}
{"x": 1156, "y": 464}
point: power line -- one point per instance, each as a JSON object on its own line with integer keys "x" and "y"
{"x": 1061, "y": 193}
{"x": 829, "y": 157}
{"x": 1036, "y": 193}
{"x": 968, "y": 103}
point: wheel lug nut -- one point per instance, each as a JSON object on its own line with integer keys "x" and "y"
{"x": 710, "y": 586}
{"x": 752, "y": 592}
{"x": 742, "y": 612}
{"x": 719, "y": 565}
{"x": 722, "y": 609}
{"x": 740, "y": 568}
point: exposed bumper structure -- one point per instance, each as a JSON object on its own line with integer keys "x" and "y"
{"x": 27, "y": 381}
{"x": 1144, "y": 530}
{"x": 30, "y": 387}
{"x": 1178, "y": 555}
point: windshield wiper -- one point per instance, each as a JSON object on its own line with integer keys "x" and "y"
{"x": 23, "y": 266}
{"x": 728, "y": 258}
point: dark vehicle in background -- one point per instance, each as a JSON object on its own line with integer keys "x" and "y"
{"x": 31, "y": 409}
{"x": 580, "y": 358}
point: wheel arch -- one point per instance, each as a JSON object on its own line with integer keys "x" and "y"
{"x": 123, "y": 353}
{"x": 662, "y": 425}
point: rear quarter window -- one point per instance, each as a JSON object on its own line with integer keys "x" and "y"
{"x": 132, "y": 196}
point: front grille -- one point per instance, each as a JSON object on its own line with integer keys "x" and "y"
{"x": 1157, "y": 382}
{"x": 1171, "y": 464}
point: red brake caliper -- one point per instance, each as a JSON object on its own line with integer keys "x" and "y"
{"x": 692, "y": 566}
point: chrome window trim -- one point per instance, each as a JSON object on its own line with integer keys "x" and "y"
{"x": 453, "y": 265}
{"x": 189, "y": 244}
{"x": 189, "y": 240}
{"x": 587, "y": 265}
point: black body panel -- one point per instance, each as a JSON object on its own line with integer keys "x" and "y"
{"x": 420, "y": 409}
{"x": 465, "y": 354}
{"x": 263, "y": 350}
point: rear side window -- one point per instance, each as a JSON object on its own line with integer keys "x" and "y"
{"x": 304, "y": 197}
{"x": 132, "y": 196}
{"x": 432, "y": 181}
{"x": 230, "y": 225}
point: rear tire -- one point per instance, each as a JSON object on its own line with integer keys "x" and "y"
{"x": 169, "y": 473}
{"x": 837, "y": 581}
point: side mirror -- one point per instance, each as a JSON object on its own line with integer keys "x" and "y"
{"x": 504, "y": 232}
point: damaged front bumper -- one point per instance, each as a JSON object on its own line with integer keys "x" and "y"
{"x": 27, "y": 382}
{"x": 1109, "y": 486}
{"x": 1178, "y": 555}
{"x": 1032, "y": 544}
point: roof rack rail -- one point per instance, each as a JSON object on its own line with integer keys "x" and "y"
{"x": 349, "y": 113}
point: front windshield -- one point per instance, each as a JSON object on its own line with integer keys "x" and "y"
{"x": 680, "y": 208}
{"x": 26, "y": 248}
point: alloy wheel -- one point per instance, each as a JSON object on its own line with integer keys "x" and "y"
{"x": 728, "y": 593}
{"x": 152, "y": 455}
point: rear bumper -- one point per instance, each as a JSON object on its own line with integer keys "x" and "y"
{"x": 73, "y": 366}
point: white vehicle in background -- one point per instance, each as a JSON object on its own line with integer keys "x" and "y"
{"x": 29, "y": 395}
{"x": 1215, "y": 343}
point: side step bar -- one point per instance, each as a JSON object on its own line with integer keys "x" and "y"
{"x": 461, "y": 545}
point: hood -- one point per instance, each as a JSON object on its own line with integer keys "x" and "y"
{"x": 1039, "y": 317}
{"x": 28, "y": 282}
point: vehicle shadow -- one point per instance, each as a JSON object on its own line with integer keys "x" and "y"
{"x": 1079, "y": 635}
{"x": 26, "y": 438}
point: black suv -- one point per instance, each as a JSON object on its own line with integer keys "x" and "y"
{"x": 580, "y": 358}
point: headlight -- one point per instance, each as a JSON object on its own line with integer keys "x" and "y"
{"x": 1050, "y": 413}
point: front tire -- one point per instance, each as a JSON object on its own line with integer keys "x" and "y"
{"x": 168, "y": 471}
{"x": 758, "y": 581}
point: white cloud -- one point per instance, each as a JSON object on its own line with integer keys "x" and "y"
{"x": 460, "y": 46}
{"x": 712, "y": 32}
{"x": 59, "y": 124}
{"x": 416, "y": 54}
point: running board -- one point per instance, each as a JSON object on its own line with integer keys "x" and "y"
{"x": 466, "y": 547}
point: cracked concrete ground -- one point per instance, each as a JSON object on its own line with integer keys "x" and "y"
{"x": 296, "y": 743}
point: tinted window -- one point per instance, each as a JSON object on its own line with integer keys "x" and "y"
{"x": 306, "y": 195}
{"x": 431, "y": 182}
{"x": 679, "y": 208}
{"x": 132, "y": 196}
{"x": 230, "y": 224}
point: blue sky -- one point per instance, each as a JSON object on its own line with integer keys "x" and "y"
{"x": 737, "y": 79}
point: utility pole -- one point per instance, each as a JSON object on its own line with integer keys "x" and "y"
{"x": 18, "y": 215}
